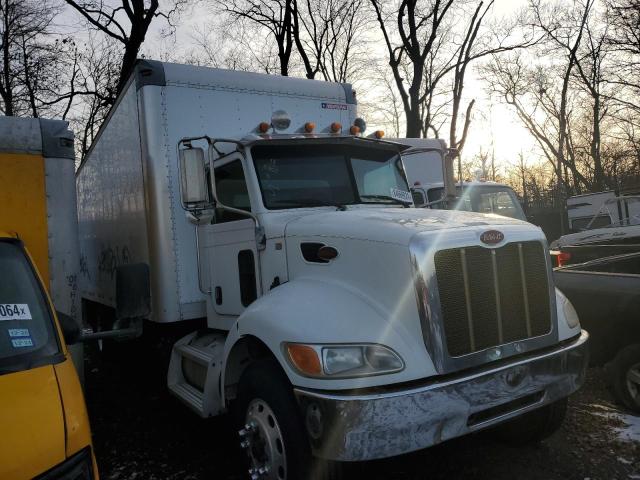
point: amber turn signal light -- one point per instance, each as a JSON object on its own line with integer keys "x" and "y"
{"x": 309, "y": 127}
{"x": 378, "y": 134}
{"x": 263, "y": 127}
{"x": 354, "y": 130}
{"x": 336, "y": 127}
{"x": 304, "y": 358}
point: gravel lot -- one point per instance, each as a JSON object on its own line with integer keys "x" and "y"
{"x": 141, "y": 432}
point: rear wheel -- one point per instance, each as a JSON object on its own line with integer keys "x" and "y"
{"x": 626, "y": 377}
{"x": 534, "y": 426}
{"x": 271, "y": 429}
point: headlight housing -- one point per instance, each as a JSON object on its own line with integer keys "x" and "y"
{"x": 343, "y": 361}
{"x": 78, "y": 467}
{"x": 570, "y": 314}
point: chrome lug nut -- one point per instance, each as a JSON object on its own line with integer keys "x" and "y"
{"x": 248, "y": 428}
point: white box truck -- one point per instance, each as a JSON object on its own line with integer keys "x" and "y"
{"x": 424, "y": 165}
{"x": 336, "y": 321}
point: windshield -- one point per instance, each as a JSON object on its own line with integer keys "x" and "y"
{"x": 27, "y": 334}
{"x": 484, "y": 199}
{"x": 293, "y": 176}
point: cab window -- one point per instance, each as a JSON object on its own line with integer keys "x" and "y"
{"x": 231, "y": 189}
{"x": 27, "y": 333}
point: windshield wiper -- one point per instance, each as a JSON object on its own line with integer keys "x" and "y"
{"x": 311, "y": 202}
{"x": 405, "y": 204}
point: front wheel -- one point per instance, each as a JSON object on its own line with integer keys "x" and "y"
{"x": 626, "y": 377}
{"x": 271, "y": 429}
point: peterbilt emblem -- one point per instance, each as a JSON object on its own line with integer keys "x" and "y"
{"x": 491, "y": 237}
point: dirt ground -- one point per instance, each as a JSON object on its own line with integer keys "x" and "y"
{"x": 141, "y": 432}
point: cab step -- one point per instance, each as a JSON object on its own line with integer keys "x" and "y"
{"x": 195, "y": 370}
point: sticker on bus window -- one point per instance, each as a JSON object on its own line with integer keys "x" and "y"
{"x": 14, "y": 311}
{"x": 401, "y": 195}
{"x": 22, "y": 342}
{"x": 19, "y": 332}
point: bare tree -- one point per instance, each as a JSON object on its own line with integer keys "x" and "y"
{"x": 418, "y": 29}
{"x": 624, "y": 42}
{"x": 274, "y": 16}
{"x": 567, "y": 39}
{"x": 474, "y": 46}
{"x": 96, "y": 73}
{"x": 430, "y": 50}
{"x": 29, "y": 69}
{"x": 590, "y": 71}
{"x": 126, "y": 23}
{"x": 326, "y": 34}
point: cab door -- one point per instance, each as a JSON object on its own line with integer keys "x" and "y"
{"x": 233, "y": 254}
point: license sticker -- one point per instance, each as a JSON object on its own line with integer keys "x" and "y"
{"x": 401, "y": 195}
{"x": 14, "y": 311}
{"x": 21, "y": 342}
{"x": 19, "y": 332}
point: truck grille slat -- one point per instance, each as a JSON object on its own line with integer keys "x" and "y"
{"x": 492, "y": 296}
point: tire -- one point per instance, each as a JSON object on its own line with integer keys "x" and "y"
{"x": 271, "y": 428}
{"x": 625, "y": 373}
{"x": 534, "y": 426}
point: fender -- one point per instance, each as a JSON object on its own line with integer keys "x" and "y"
{"x": 309, "y": 310}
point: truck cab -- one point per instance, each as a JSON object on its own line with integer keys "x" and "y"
{"x": 333, "y": 320}
{"x": 45, "y": 425}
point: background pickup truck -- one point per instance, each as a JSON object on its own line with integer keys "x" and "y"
{"x": 606, "y": 295}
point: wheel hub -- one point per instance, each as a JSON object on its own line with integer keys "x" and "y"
{"x": 262, "y": 438}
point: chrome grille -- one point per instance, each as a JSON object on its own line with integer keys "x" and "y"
{"x": 490, "y": 297}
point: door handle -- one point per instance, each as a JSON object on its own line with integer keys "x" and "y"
{"x": 218, "y": 295}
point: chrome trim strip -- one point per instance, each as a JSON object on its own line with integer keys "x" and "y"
{"x": 496, "y": 289}
{"x": 467, "y": 297}
{"x": 523, "y": 277}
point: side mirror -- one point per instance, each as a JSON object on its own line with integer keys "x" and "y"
{"x": 193, "y": 179}
{"x": 70, "y": 328}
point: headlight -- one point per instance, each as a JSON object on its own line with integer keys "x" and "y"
{"x": 570, "y": 314}
{"x": 343, "y": 360}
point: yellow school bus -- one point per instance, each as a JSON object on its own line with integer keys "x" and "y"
{"x": 44, "y": 424}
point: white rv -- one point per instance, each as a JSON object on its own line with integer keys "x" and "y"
{"x": 586, "y": 211}
{"x": 334, "y": 319}
{"x": 424, "y": 167}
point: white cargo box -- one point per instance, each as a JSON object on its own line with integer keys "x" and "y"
{"x": 128, "y": 192}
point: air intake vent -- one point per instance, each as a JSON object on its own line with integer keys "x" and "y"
{"x": 310, "y": 252}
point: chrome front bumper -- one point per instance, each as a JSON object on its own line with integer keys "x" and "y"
{"x": 364, "y": 427}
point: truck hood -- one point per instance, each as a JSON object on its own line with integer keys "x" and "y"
{"x": 389, "y": 225}
{"x": 33, "y": 431}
